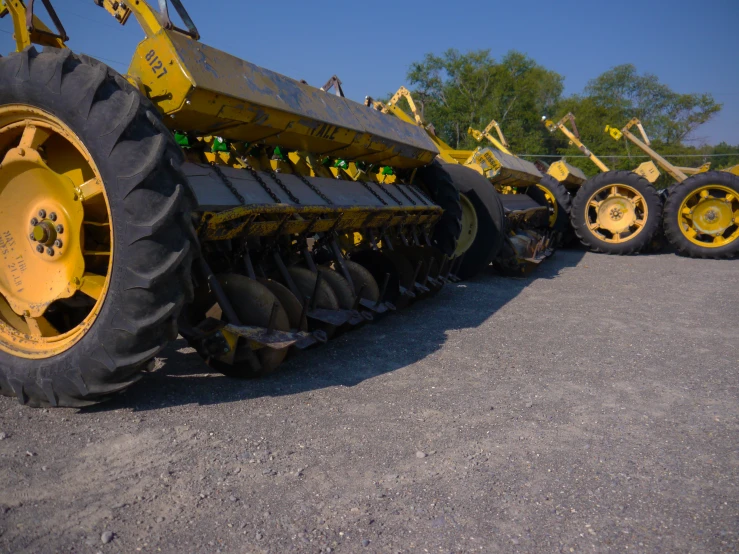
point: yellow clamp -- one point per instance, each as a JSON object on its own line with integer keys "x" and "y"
{"x": 615, "y": 133}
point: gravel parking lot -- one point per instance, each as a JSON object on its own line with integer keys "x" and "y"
{"x": 591, "y": 407}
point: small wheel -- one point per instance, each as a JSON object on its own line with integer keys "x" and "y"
{"x": 616, "y": 212}
{"x": 363, "y": 281}
{"x": 557, "y": 197}
{"x": 380, "y": 267}
{"x": 253, "y": 304}
{"x": 305, "y": 281}
{"x": 701, "y": 217}
{"x": 292, "y": 305}
{"x": 340, "y": 286}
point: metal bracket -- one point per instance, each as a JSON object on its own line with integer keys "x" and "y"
{"x": 61, "y": 33}
{"x": 191, "y": 31}
{"x": 333, "y": 83}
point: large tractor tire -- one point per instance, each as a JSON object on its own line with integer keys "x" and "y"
{"x": 440, "y": 187}
{"x": 489, "y": 215}
{"x": 97, "y": 242}
{"x": 554, "y": 194}
{"x": 701, "y": 217}
{"x": 616, "y": 212}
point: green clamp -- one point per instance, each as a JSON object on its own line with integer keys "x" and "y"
{"x": 219, "y": 145}
{"x": 182, "y": 140}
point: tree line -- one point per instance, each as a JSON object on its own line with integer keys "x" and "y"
{"x": 456, "y": 91}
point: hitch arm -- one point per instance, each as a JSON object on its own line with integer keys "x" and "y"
{"x": 151, "y": 21}
{"x": 574, "y": 137}
{"x": 28, "y": 29}
{"x": 675, "y": 172}
{"x": 500, "y": 143}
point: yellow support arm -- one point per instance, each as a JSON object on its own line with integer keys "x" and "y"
{"x": 405, "y": 93}
{"x": 151, "y": 21}
{"x": 29, "y": 29}
{"x": 446, "y": 152}
{"x": 675, "y": 172}
{"x": 500, "y": 143}
{"x": 574, "y": 137}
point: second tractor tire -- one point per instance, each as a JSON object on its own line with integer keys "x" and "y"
{"x": 582, "y": 213}
{"x": 490, "y": 219}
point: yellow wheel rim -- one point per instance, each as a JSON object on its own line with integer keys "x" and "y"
{"x": 469, "y": 226}
{"x": 616, "y": 213}
{"x": 56, "y": 238}
{"x": 552, "y": 202}
{"x": 709, "y": 216}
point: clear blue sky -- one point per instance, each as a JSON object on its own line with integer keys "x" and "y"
{"x": 692, "y": 46}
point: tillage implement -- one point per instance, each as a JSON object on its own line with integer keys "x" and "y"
{"x": 514, "y": 231}
{"x": 547, "y": 185}
{"x": 199, "y": 194}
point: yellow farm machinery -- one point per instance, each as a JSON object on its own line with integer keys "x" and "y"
{"x": 199, "y": 194}
{"x": 615, "y": 212}
{"x": 547, "y": 186}
{"x": 701, "y": 212}
{"x": 512, "y": 231}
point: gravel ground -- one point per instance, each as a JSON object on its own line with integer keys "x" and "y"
{"x": 590, "y": 407}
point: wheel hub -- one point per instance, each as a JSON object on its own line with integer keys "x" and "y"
{"x": 55, "y": 234}
{"x": 617, "y": 214}
{"x": 469, "y": 226}
{"x": 712, "y": 216}
{"x": 36, "y": 202}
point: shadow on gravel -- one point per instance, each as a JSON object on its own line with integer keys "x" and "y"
{"x": 380, "y": 347}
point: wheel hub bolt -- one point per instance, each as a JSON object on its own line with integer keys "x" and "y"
{"x": 60, "y": 228}
{"x": 34, "y": 221}
{"x": 711, "y": 215}
{"x": 50, "y": 251}
{"x": 42, "y": 213}
{"x": 32, "y": 237}
{"x": 39, "y": 248}
{"x": 52, "y": 216}
{"x": 58, "y": 243}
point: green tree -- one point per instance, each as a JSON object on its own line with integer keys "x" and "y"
{"x": 456, "y": 91}
{"x": 671, "y": 116}
{"x": 619, "y": 94}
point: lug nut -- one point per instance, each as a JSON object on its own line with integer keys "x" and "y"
{"x": 60, "y": 228}
{"x": 34, "y": 221}
{"x": 40, "y": 248}
{"x": 33, "y": 238}
{"x": 58, "y": 243}
{"x": 50, "y": 251}
{"x": 42, "y": 213}
{"x": 52, "y": 216}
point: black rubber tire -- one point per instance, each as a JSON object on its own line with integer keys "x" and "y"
{"x": 439, "y": 186}
{"x": 578, "y": 213}
{"x": 675, "y": 198}
{"x": 490, "y": 219}
{"x": 154, "y": 240}
{"x": 564, "y": 204}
